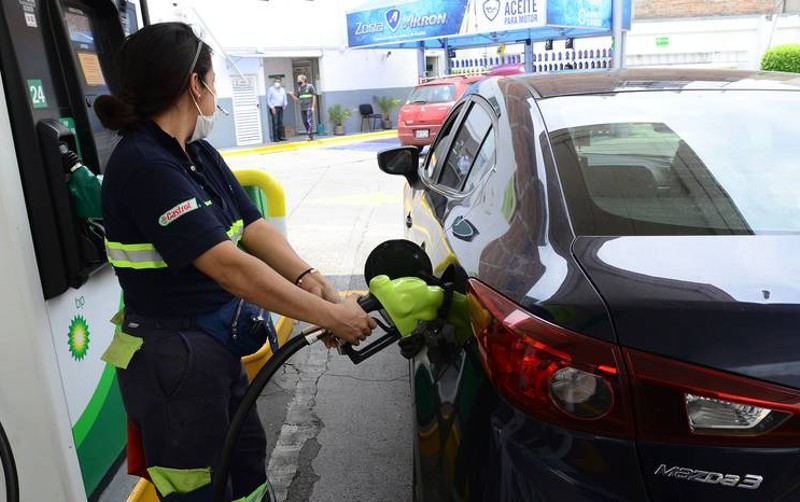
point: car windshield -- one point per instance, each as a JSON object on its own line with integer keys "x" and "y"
{"x": 678, "y": 163}
{"x": 439, "y": 93}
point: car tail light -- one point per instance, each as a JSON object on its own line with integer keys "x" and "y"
{"x": 558, "y": 376}
{"x": 580, "y": 383}
{"x": 681, "y": 402}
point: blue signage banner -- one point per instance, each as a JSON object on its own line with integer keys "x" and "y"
{"x": 417, "y": 20}
{"x": 586, "y": 13}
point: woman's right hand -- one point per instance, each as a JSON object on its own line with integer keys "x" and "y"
{"x": 350, "y": 322}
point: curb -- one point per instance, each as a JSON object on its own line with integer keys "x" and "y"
{"x": 297, "y": 145}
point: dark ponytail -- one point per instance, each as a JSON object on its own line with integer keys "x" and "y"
{"x": 114, "y": 113}
{"x": 151, "y": 70}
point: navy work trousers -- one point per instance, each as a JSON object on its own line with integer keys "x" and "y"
{"x": 181, "y": 389}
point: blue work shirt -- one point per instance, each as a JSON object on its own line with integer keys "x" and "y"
{"x": 163, "y": 209}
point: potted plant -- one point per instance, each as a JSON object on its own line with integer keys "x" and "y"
{"x": 337, "y": 115}
{"x": 387, "y": 104}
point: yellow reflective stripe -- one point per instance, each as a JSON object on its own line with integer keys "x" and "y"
{"x": 136, "y": 256}
{"x": 256, "y": 496}
{"x": 136, "y": 265}
{"x": 129, "y": 247}
{"x": 236, "y": 231}
{"x": 144, "y": 255}
{"x": 168, "y": 481}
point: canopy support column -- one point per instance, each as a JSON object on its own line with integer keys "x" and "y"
{"x": 617, "y": 34}
{"x": 447, "y": 62}
{"x": 421, "y": 66}
{"x": 528, "y": 56}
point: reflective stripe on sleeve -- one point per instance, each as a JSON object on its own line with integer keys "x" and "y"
{"x": 144, "y": 256}
{"x": 136, "y": 256}
{"x": 236, "y": 232}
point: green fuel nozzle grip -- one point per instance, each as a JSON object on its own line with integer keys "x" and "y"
{"x": 407, "y": 300}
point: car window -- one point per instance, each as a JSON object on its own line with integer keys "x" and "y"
{"x": 695, "y": 162}
{"x": 439, "y": 93}
{"x": 466, "y": 146}
{"x": 438, "y": 152}
{"x": 483, "y": 161}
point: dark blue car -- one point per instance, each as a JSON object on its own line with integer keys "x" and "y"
{"x": 629, "y": 243}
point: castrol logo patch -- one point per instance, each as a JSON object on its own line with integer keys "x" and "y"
{"x": 178, "y": 211}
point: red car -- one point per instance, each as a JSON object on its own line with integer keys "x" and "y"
{"x": 421, "y": 117}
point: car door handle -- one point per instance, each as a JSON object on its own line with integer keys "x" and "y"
{"x": 409, "y": 220}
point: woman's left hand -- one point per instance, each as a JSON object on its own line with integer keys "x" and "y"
{"x": 318, "y": 285}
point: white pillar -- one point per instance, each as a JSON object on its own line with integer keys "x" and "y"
{"x": 421, "y": 66}
{"x": 447, "y": 62}
{"x": 528, "y": 56}
{"x": 617, "y": 34}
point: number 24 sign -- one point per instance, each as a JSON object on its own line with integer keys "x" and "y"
{"x": 36, "y": 92}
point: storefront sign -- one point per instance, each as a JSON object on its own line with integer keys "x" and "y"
{"x": 425, "y": 19}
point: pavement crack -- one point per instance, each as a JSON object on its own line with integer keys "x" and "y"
{"x": 351, "y": 377}
{"x": 290, "y": 470}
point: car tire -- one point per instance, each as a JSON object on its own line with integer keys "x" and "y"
{"x": 8, "y": 469}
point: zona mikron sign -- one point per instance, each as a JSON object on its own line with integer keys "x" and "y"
{"x": 424, "y": 19}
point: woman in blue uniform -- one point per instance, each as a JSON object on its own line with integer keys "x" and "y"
{"x": 176, "y": 221}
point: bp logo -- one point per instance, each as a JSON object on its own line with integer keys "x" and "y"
{"x": 78, "y": 338}
{"x": 491, "y": 8}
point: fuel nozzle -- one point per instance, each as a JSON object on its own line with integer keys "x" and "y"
{"x": 69, "y": 159}
{"x": 83, "y": 185}
{"x": 403, "y": 303}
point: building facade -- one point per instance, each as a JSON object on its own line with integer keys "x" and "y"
{"x": 254, "y": 41}
{"x": 257, "y": 40}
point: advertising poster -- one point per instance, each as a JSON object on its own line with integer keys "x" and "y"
{"x": 417, "y": 20}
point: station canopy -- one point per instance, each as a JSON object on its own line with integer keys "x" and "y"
{"x": 461, "y": 24}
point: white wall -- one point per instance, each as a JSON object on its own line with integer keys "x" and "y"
{"x": 349, "y": 70}
{"x": 258, "y": 24}
{"x": 279, "y": 30}
{"x": 736, "y": 42}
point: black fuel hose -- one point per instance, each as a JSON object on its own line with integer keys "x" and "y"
{"x": 8, "y": 470}
{"x": 262, "y": 378}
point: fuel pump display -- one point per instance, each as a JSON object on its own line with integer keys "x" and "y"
{"x": 61, "y": 410}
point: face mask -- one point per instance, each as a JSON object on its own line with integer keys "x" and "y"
{"x": 204, "y": 123}
{"x": 277, "y": 84}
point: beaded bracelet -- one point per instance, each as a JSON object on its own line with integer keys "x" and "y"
{"x": 299, "y": 280}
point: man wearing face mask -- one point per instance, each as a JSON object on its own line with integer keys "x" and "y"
{"x": 276, "y": 101}
{"x": 178, "y": 224}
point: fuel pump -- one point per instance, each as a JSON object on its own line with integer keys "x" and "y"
{"x": 61, "y": 414}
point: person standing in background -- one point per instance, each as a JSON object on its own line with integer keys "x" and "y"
{"x": 276, "y": 101}
{"x": 307, "y": 96}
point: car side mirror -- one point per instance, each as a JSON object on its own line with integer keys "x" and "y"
{"x": 403, "y": 161}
